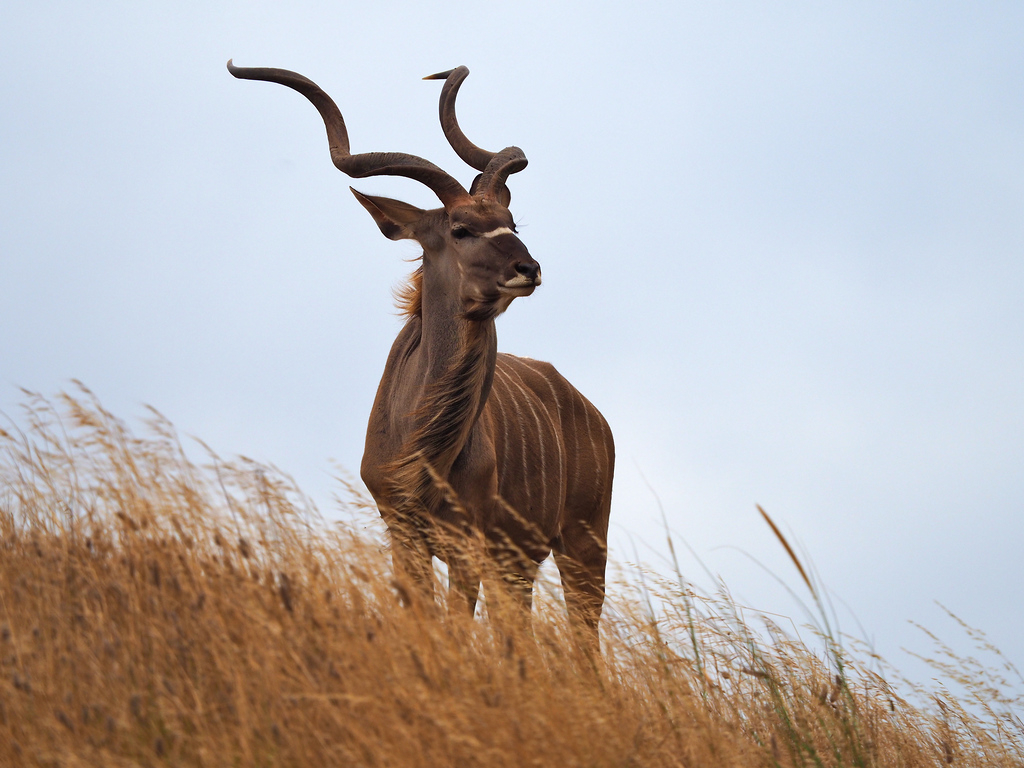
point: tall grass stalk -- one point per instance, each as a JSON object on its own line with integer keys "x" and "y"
{"x": 159, "y": 611}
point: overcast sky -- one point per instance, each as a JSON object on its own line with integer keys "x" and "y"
{"x": 782, "y": 250}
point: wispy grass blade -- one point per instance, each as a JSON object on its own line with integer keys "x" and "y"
{"x": 159, "y": 611}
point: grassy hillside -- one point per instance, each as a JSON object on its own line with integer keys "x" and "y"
{"x": 155, "y": 612}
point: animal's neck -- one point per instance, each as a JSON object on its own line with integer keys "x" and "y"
{"x": 458, "y": 368}
{"x": 456, "y": 363}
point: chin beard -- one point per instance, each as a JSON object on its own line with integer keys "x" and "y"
{"x": 481, "y": 310}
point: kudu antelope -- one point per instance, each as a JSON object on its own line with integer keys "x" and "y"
{"x": 463, "y": 439}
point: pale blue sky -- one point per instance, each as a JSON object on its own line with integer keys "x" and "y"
{"x": 782, "y": 250}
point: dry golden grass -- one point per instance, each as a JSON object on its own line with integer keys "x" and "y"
{"x": 153, "y": 611}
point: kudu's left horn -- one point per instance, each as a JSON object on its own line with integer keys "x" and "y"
{"x": 448, "y": 190}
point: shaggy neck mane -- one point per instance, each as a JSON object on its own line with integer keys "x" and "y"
{"x": 409, "y": 296}
{"x": 444, "y": 417}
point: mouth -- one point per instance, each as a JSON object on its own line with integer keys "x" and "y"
{"x": 520, "y": 285}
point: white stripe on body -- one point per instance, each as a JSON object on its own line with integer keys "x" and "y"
{"x": 604, "y": 442}
{"x": 529, "y": 396}
{"x": 540, "y": 438}
{"x": 593, "y": 445}
{"x": 576, "y": 448}
{"x": 504, "y": 437}
{"x": 519, "y": 420}
{"x": 562, "y": 458}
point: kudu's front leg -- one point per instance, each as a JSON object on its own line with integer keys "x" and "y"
{"x": 413, "y": 567}
{"x": 584, "y": 589}
{"x": 463, "y": 583}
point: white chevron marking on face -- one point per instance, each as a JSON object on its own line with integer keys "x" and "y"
{"x": 498, "y": 231}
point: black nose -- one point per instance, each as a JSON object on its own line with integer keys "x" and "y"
{"x": 528, "y": 269}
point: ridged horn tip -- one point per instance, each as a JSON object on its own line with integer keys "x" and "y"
{"x": 232, "y": 68}
{"x": 440, "y": 75}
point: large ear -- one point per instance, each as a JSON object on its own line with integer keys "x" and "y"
{"x": 397, "y": 220}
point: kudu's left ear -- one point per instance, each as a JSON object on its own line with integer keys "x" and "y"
{"x": 395, "y": 219}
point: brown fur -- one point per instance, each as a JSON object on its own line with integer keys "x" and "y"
{"x": 459, "y": 438}
{"x": 448, "y": 406}
{"x": 408, "y": 296}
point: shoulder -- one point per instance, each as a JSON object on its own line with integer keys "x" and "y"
{"x": 527, "y": 365}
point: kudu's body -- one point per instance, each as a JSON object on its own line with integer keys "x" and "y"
{"x": 465, "y": 444}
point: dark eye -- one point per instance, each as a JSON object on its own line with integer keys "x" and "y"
{"x": 460, "y": 232}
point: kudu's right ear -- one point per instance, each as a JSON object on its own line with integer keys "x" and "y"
{"x": 397, "y": 220}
